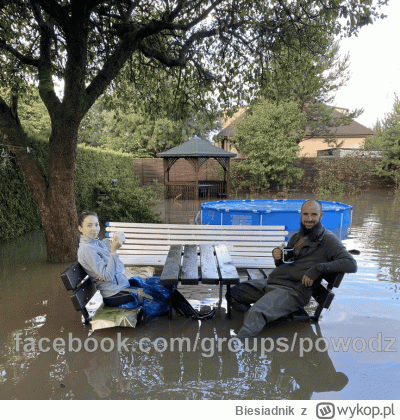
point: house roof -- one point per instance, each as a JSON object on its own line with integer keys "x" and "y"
{"x": 229, "y": 126}
{"x": 354, "y": 129}
{"x": 196, "y": 147}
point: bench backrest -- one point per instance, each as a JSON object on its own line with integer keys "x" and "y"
{"x": 76, "y": 279}
{"x": 145, "y": 242}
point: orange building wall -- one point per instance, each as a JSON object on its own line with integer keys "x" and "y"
{"x": 309, "y": 148}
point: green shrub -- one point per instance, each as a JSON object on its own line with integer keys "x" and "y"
{"x": 18, "y": 212}
{"x": 94, "y": 173}
{"x": 343, "y": 175}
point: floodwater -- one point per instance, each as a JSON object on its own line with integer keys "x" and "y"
{"x": 353, "y": 353}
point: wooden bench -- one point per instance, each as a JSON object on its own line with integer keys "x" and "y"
{"x": 322, "y": 293}
{"x": 148, "y": 244}
{"x": 76, "y": 279}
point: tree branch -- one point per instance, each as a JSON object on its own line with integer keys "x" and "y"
{"x": 57, "y": 12}
{"x": 46, "y": 87}
{"x": 30, "y": 61}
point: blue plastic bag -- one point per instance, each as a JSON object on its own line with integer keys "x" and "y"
{"x": 151, "y": 307}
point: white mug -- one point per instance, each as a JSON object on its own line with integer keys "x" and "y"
{"x": 121, "y": 236}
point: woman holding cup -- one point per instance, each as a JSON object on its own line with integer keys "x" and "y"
{"x": 101, "y": 262}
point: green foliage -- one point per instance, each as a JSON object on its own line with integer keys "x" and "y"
{"x": 33, "y": 114}
{"x": 389, "y": 140}
{"x": 314, "y": 75}
{"x": 18, "y": 212}
{"x": 125, "y": 129}
{"x": 390, "y": 163}
{"x": 95, "y": 170}
{"x": 342, "y": 175}
{"x": 310, "y": 78}
{"x": 125, "y": 201}
{"x": 268, "y": 136}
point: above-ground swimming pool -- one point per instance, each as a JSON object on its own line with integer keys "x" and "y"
{"x": 271, "y": 213}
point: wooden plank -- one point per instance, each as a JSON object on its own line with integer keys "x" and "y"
{"x": 73, "y": 276}
{"x": 227, "y": 269}
{"x": 190, "y": 270}
{"x": 171, "y": 271}
{"x": 144, "y": 233}
{"x": 160, "y": 241}
{"x": 144, "y": 248}
{"x": 192, "y": 237}
{"x": 255, "y": 274}
{"x": 159, "y": 261}
{"x": 267, "y": 271}
{"x": 208, "y": 265}
{"x": 161, "y": 226}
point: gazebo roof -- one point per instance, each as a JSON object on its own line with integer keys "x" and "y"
{"x": 196, "y": 147}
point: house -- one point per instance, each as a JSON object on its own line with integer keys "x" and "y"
{"x": 352, "y": 135}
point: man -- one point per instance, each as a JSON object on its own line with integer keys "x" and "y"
{"x": 289, "y": 286}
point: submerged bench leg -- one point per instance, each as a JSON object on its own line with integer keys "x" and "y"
{"x": 228, "y": 301}
{"x": 171, "y": 289}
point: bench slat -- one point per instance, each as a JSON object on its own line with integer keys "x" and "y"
{"x": 170, "y": 274}
{"x": 122, "y": 225}
{"x": 139, "y": 233}
{"x": 226, "y": 266}
{"x": 323, "y": 296}
{"x": 234, "y": 241}
{"x": 73, "y": 276}
{"x": 146, "y": 248}
{"x": 209, "y": 269}
{"x": 191, "y": 239}
{"x": 233, "y": 247}
{"x": 82, "y": 295}
{"x": 159, "y": 260}
{"x": 190, "y": 271}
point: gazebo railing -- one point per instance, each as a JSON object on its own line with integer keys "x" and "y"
{"x": 187, "y": 190}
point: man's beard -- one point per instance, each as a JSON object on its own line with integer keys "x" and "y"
{"x": 310, "y": 233}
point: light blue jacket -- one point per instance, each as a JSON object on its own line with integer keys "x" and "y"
{"x": 98, "y": 261}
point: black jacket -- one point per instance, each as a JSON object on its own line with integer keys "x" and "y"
{"x": 325, "y": 254}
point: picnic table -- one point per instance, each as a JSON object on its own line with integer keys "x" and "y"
{"x": 194, "y": 264}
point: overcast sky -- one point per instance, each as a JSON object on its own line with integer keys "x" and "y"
{"x": 374, "y": 67}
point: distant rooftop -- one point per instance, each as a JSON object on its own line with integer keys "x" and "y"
{"x": 354, "y": 129}
{"x": 196, "y": 147}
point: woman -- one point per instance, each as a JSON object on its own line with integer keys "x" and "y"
{"x": 101, "y": 262}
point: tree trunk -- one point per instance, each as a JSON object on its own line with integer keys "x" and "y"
{"x": 59, "y": 215}
{"x": 54, "y": 198}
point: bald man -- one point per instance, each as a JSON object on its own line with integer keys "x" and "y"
{"x": 289, "y": 287}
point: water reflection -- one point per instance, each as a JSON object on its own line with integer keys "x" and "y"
{"x": 212, "y": 370}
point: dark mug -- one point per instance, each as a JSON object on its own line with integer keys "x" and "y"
{"x": 288, "y": 255}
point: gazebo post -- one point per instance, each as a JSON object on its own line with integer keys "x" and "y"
{"x": 196, "y": 168}
{"x": 165, "y": 177}
{"x": 228, "y": 178}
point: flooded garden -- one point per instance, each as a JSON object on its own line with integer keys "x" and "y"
{"x": 353, "y": 353}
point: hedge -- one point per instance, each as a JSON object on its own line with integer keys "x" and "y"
{"x": 95, "y": 170}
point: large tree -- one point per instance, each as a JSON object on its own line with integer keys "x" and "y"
{"x": 269, "y": 135}
{"x": 388, "y": 140}
{"x": 204, "y": 46}
{"x": 311, "y": 78}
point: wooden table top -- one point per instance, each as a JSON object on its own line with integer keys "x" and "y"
{"x": 194, "y": 264}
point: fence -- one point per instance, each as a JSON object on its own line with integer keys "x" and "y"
{"x": 150, "y": 169}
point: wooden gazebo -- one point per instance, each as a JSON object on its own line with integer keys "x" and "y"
{"x": 196, "y": 151}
